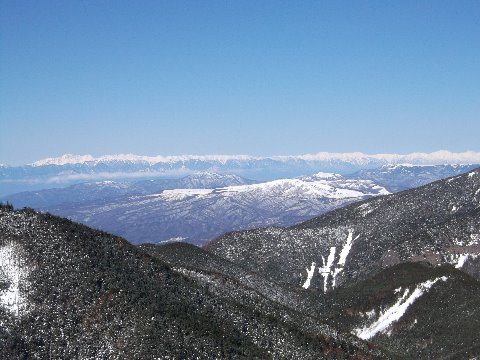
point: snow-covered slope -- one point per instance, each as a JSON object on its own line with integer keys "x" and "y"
{"x": 198, "y": 215}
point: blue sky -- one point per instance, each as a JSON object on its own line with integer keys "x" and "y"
{"x": 237, "y": 77}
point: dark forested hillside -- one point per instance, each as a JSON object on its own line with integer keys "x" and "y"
{"x": 67, "y": 291}
{"x": 390, "y": 277}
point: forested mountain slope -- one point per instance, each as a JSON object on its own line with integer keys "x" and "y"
{"x": 67, "y": 291}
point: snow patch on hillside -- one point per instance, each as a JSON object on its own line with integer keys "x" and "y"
{"x": 346, "y": 248}
{"x": 325, "y": 270}
{"x": 173, "y": 240}
{"x": 329, "y": 269}
{"x": 310, "y": 272}
{"x": 396, "y": 311}
{"x": 365, "y": 209}
{"x": 462, "y": 258}
{"x": 13, "y": 272}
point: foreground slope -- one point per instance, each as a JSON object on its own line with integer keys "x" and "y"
{"x": 437, "y": 223}
{"x": 413, "y": 310}
{"x": 67, "y": 291}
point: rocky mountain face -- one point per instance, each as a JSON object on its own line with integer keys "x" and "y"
{"x": 67, "y": 291}
{"x": 198, "y": 215}
{"x": 437, "y": 223}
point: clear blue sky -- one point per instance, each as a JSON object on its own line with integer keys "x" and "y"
{"x": 237, "y": 77}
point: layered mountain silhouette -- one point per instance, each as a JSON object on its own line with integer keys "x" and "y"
{"x": 393, "y": 276}
{"x": 198, "y": 207}
{"x": 72, "y": 169}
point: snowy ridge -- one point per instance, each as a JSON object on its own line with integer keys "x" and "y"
{"x": 358, "y": 158}
{"x": 81, "y": 159}
{"x": 396, "y": 311}
{"x": 417, "y": 158}
{"x": 297, "y": 189}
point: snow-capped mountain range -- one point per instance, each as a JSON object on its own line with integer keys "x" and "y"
{"x": 403, "y": 177}
{"x": 433, "y": 158}
{"x": 70, "y": 169}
